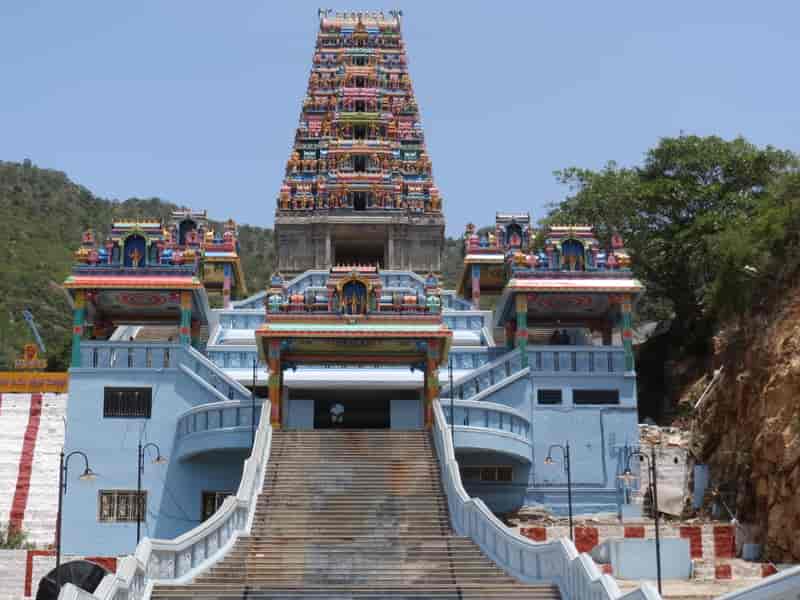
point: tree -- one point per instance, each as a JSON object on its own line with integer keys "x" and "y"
{"x": 679, "y": 214}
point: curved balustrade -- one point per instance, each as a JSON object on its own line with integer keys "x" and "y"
{"x": 216, "y": 426}
{"x": 485, "y": 376}
{"x": 577, "y": 576}
{"x": 490, "y": 426}
{"x": 576, "y": 359}
{"x": 180, "y": 559}
{"x": 130, "y": 355}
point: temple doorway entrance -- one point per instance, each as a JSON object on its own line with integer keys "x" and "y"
{"x": 355, "y": 409}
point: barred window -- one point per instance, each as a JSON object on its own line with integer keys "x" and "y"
{"x": 503, "y": 474}
{"x": 127, "y": 402}
{"x": 212, "y": 501}
{"x": 595, "y": 396}
{"x": 115, "y": 506}
{"x": 548, "y": 396}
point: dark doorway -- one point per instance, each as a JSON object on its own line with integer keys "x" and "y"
{"x": 351, "y": 412}
{"x": 359, "y": 200}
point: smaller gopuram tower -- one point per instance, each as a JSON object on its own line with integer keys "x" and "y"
{"x": 147, "y": 273}
{"x": 358, "y": 188}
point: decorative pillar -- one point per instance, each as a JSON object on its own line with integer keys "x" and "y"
{"x": 627, "y": 332}
{"x": 274, "y": 382}
{"x": 195, "y": 333}
{"x": 510, "y": 327}
{"x": 476, "y": 286}
{"x": 186, "y": 318}
{"x": 79, "y": 315}
{"x": 608, "y": 334}
{"x": 431, "y": 381}
{"x": 521, "y": 301}
{"x": 226, "y": 285}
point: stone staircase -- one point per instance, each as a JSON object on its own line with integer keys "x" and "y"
{"x": 353, "y": 514}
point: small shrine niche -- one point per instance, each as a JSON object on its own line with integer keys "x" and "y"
{"x": 187, "y": 232}
{"x": 134, "y": 251}
{"x": 354, "y": 297}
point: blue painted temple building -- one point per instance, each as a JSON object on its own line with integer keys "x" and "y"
{"x": 172, "y": 359}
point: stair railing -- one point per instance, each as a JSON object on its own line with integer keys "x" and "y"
{"x": 209, "y": 372}
{"x": 484, "y": 377}
{"x": 179, "y": 560}
{"x": 576, "y": 575}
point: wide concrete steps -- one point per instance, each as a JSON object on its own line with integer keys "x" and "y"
{"x": 353, "y": 515}
{"x": 405, "y": 591}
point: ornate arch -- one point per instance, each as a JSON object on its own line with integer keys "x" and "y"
{"x": 354, "y": 294}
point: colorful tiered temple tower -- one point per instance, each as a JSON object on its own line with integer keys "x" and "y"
{"x": 359, "y": 186}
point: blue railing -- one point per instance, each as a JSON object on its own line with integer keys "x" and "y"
{"x": 240, "y": 319}
{"x": 201, "y": 367}
{"x": 452, "y": 302}
{"x": 241, "y": 357}
{"x": 474, "y": 322}
{"x": 485, "y": 376}
{"x": 148, "y": 355}
{"x": 130, "y": 355}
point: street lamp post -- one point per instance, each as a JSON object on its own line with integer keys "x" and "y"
{"x": 568, "y": 467}
{"x": 452, "y": 404}
{"x": 87, "y": 475}
{"x": 159, "y": 460}
{"x": 628, "y": 476}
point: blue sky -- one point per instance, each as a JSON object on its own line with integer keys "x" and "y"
{"x": 196, "y": 102}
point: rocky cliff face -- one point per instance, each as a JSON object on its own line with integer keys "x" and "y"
{"x": 748, "y": 429}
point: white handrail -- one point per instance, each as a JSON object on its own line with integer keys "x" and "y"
{"x": 179, "y": 560}
{"x": 576, "y": 575}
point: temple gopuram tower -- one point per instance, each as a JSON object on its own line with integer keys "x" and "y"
{"x": 358, "y": 186}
